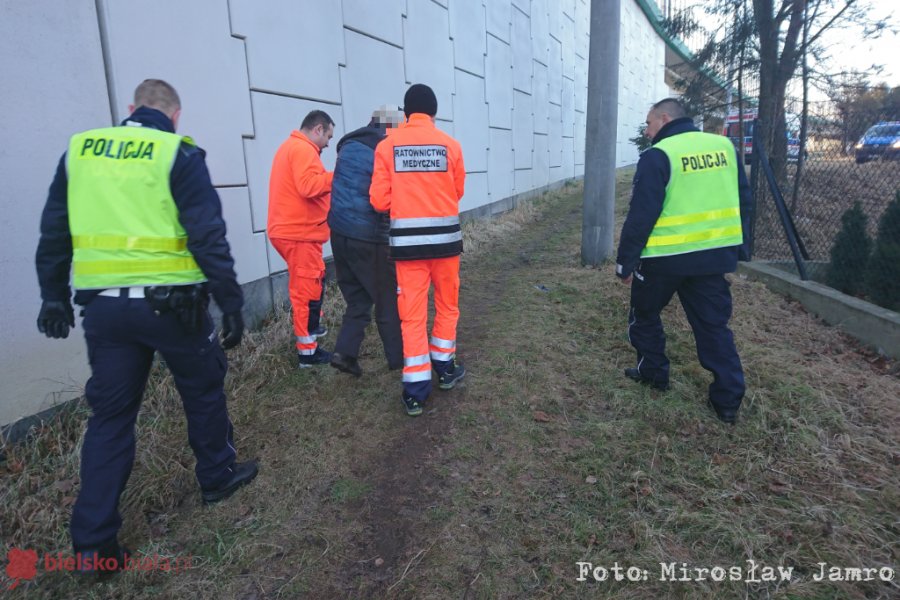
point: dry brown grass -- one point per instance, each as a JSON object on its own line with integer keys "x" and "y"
{"x": 545, "y": 457}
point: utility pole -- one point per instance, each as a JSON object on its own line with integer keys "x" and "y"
{"x": 598, "y": 213}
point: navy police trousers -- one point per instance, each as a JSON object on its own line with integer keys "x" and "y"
{"x": 122, "y": 335}
{"x": 707, "y": 303}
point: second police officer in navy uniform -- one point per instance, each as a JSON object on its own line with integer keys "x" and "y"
{"x": 686, "y": 227}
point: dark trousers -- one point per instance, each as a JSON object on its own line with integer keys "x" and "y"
{"x": 122, "y": 335}
{"x": 367, "y": 277}
{"x": 707, "y": 303}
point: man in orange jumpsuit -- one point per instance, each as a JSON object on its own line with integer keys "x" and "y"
{"x": 419, "y": 178}
{"x": 299, "y": 199}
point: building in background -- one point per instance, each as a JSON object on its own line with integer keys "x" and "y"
{"x": 510, "y": 76}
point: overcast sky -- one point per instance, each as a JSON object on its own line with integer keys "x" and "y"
{"x": 849, "y": 49}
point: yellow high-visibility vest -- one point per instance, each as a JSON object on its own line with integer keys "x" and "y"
{"x": 701, "y": 210}
{"x": 122, "y": 217}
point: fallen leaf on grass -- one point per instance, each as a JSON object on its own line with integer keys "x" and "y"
{"x": 541, "y": 417}
{"x": 590, "y": 479}
{"x": 65, "y": 485}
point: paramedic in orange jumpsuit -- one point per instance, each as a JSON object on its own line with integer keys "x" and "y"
{"x": 419, "y": 178}
{"x": 299, "y": 199}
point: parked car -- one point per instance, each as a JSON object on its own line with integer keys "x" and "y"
{"x": 732, "y": 130}
{"x": 882, "y": 140}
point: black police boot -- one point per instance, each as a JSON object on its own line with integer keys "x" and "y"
{"x": 636, "y": 375}
{"x": 243, "y": 473}
{"x": 346, "y": 364}
{"x": 102, "y": 562}
{"x": 726, "y": 415}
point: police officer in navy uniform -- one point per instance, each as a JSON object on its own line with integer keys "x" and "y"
{"x": 133, "y": 213}
{"x": 686, "y": 227}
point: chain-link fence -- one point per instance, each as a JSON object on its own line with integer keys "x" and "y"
{"x": 837, "y": 184}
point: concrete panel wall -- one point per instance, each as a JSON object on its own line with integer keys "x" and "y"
{"x": 510, "y": 76}
{"x": 51, "y": 50}
{"x": 641, "y": 60}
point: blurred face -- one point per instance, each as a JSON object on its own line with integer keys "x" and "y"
{"x": 321, "y": 135}
{"x": 655, "y": 121}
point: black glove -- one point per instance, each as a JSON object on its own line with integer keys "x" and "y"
{"x": 55, "y": 318}
{"x": 232, "y": 329}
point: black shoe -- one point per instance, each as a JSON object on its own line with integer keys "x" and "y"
{"x": 726, "y": 415}
{"x": 346, "y": 364}
{"x": 320, "y": 331}
{"x": 413, "y": 407}
{"x": 319, "y": 357}
{"x": 242, "y": 474}
{"x": 452, "y": 376}
{"x": 102, "y": 562}
{"x": 635, "y": 374}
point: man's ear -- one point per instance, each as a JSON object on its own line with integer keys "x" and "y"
{"x": 131, "y": 108}
{"x": 175, "y": 116}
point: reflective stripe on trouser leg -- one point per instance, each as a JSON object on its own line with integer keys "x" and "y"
{"x": 445, "y": 276}
{"x": 413, "y": 280}
{"x": 305, "y": 271}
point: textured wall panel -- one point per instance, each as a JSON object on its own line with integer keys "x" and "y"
{"x": 276, "y": 117}
{"x": 500, "y": 164}
{"x": 567, "y": 39}
{"x": 523, "y": 5}
{"x": 541, "y": 169}
{"x": 540, "y": 93}
{"x": 373, "y": 76}
{"x": 499, "y": 83}
{"x": 522, "y": 53}
{"x": 568, "y": 157}
{"x": 471, "y": 122}
{"x": 523, "y": 131}
{"x": 580, "y": 129}
{"x": 540, "y": 31}
{"x": 583, "y": 27}
{"x": 476, "y": 191}
{"x": 54, "y": 87}
{"x": 247, "y": 247}
{"x": 554, "y": 73}
{"x": 524, "y": 180}
{"x": 428, "y": 51}
{"x": 381, "y": 19}
{"x": 467, "y": 28}
{"x": 215, "y": 101}
{"x": 554, "y": 138}
{"x": 581, "y": 80}
{"x": 568, "y": 108}
{"x": 284, "y": 53}
{"x": 499, "y": 18}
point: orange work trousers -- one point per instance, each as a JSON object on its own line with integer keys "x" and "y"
{"x": 414, "y": 278}
{"x": 306, "y": 271}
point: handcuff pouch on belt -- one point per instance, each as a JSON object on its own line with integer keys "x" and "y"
{"x": 187, "y": 302}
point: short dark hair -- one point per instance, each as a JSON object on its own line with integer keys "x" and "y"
{"x": 158, "y": 94}
{"x": 316, "y": 118}
{"x": 672, "y": 107}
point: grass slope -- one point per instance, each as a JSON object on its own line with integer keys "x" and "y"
{"x": 545, "y": 457}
